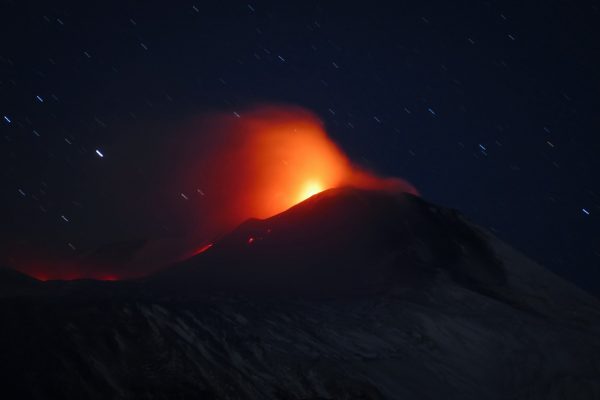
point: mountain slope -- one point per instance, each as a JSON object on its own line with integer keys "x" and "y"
{"x": 345, "y": 240}
{"x": 13, "y": 283}
{"x": 349, "y": 295}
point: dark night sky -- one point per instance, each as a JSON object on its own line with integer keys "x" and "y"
{"x": 487, "y": 107}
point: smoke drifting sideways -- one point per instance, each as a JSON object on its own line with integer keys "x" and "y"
{"x": 216, "y": 171}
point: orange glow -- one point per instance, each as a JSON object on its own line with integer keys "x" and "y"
{"x": 288, "y": 158}
{"x": 260, "y": 162}
{"x": 309, "y": 189}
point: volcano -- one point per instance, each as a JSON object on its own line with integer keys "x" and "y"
{"x": 343, "y": 240}
{"x": 350, "y": 294}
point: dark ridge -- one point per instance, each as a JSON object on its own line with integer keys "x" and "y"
{"x": 16, "y": 283}
{"x": 344, "y": 240}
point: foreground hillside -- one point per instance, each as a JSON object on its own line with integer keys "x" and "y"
{"x": 349, "y": 295}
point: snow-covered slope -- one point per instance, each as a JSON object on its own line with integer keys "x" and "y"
{"x": 377, "y": 297}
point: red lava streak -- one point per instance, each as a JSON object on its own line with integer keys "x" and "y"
{"x": 202, "y": 249}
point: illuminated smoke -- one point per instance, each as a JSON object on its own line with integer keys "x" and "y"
{"x": 260, "y": 162}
